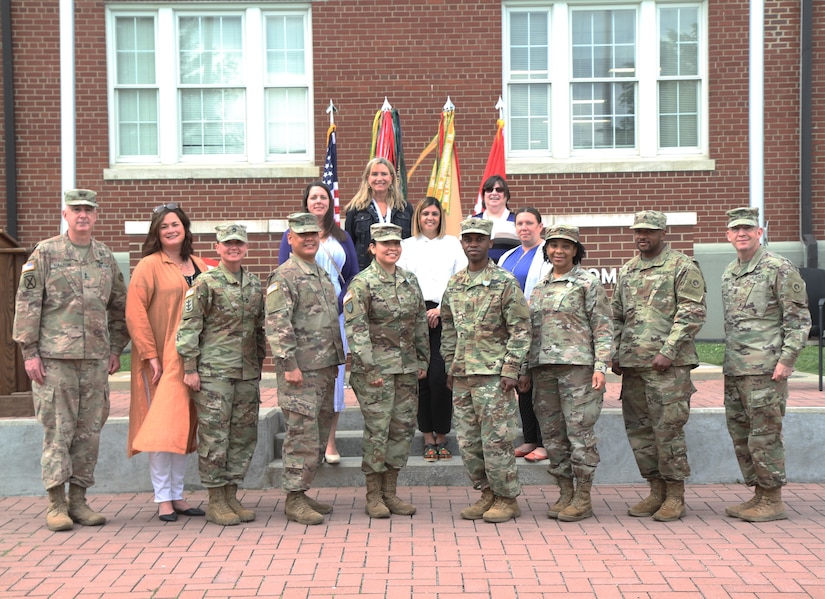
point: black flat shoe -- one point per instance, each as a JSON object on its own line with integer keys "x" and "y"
{"x": 168, "y": 517}
{"x": 192, "y": 511}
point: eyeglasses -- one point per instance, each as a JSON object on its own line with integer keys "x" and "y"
{"x": 496, "y": 189}
{"x": 169, "y": 206}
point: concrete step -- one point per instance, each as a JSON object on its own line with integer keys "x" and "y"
{"x": 417, "y": 472}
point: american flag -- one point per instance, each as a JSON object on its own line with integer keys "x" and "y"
{"x": 330, "y": 176}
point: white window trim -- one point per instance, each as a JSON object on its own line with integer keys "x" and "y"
{"x": 648, "y": 157}
{"x": 170, "y": 163}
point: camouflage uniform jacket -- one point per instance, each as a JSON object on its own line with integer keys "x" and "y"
{"x": 658, "y": 308}
{"x": 571, "y": 321}
{"x": 302, "y": 317}
{"x": 221, "y": 331}
{"x": 766, "y": 314}
{"x": 386, "y": 323}
{"x": 70, "y": 307}
{"x": 486, "y": 323}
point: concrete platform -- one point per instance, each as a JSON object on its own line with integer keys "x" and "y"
{"x": 710, "y": 451}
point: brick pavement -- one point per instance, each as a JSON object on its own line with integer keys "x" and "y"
{"x": 434, "y": 554}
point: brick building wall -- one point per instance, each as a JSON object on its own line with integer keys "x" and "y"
{"x": 417, "y": 53}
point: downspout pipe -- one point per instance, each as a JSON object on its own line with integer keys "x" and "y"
{"x": 9, "y": 127}
{"x": 68, "y": 158}
{"x": 756, "y": 117}
{"x": 810, "y": 254}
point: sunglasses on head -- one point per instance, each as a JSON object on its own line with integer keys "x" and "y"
{"x": 169, "y": 206}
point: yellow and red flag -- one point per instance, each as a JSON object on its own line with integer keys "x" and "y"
{"x": 445, "y": 179}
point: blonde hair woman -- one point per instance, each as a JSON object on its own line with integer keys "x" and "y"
{"x": 378, "y": 201}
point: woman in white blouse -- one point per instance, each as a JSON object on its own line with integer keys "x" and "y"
{"x": 433, "y": 258}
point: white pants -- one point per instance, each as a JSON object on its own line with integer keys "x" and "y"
{"x": 167, "y": 471}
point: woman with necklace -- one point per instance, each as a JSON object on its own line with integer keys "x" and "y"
{"x": 162, "y": 417}
{"x": 336, "y": 255}
{"x": 495, "y": 205}
{"x": 433, "y": 258}
{"x": 378, "y": 201}
{"x": 571, "y": 346}
{"x": 527, "y": 264}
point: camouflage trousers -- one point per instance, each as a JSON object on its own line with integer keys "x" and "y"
{"x": 72, "y": 404}
{"x": 656, "y": 407}
{"x": 389, "y": 419}
{"x": 567, "y": 409}
{"x": 308, "y": 412}
{"x": 486, "y": 425}
{"x": 227, "y": 429}
{"x": 754, "y": 409}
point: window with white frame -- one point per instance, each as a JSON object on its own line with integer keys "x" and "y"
{"x": 604, "y": 81}
{"x": 195, "y": 84}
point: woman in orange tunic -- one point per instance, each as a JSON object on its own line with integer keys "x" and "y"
{"x": 162, "y": 417}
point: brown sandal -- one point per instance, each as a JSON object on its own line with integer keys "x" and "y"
{"x": 431, "y": 453}
{"x": 443, "y": 452}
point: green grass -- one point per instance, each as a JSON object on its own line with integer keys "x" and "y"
{"x": 714, "y": 353}
{"x": 125, "y": 362}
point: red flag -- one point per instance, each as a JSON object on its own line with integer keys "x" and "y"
{"x": 495, "y": 163}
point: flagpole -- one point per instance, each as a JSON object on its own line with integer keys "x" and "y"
{"x": 500, "y": 107}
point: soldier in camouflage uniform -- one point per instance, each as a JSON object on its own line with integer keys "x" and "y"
{"x": 485, "y": 338}
{"x": 71, "y": 326}
{"x": 386, "y": 324}
{"x": 301, "y": 325}
{"x": 222, "y": 344}
{"x": 658, "y": 309}
{"x": 766, "y": 326}
{"x": 571, "y": 345}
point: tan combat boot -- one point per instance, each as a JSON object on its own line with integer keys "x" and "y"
{"x": 650, "y": 504}
{"x": 321, "y": 508}
{"x": 581, "y": 507}
{"x": 476, "y": 511}
{"x": 769, "y": 508}
{"x": 391, "y": 500}
{"x": 735, "y": 511}
{"x": 57, "y": 514}
{"x": 230, "y": 496}
{"x": 674, "y": 506}
{"x": 299, "y": 510}
{"x": 79, "y": 510}
{"x": 502, "y": 510}
{"x": 565, "y": 497}
{"x": 218, "y": 511}
{"x": 376, "y": 508}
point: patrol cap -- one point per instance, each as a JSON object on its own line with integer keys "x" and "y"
{"x": 738, "y": 217}
{"x": 385, "y": 232}
{"x": 80, "y": 197}
{"x": 230, "y": 231}
{"x": 568, "y": 232}
{"x": 649, "y": 219}
{"x": 482, "y": 226}
{"x": 303, "y": 222}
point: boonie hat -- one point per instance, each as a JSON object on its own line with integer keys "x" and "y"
{"x": 385, "y": 232}
{"x": 482, "y": 226}
{"x": 649, "y": 219}
{"x": 231, "y": 231}
{"x": 748, "y": 217}
{"x": 568, "y": 232}
{"x": 303, "y": 222}
{"x": 81, "y": 197}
